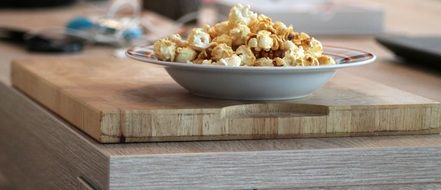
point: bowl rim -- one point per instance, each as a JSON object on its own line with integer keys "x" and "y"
{"x": 368, "y": 58}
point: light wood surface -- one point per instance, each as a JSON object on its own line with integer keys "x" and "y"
{"x": 120, "y": 101}
{"x": 22, "y": 166}
{"x": 64, "y": 154}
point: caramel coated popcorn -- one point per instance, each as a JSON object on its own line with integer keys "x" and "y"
{"x": 245, "y": 39}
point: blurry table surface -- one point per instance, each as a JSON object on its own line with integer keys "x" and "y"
{"x": 411, "y": 17}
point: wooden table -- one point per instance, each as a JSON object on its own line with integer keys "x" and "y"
{"x": 39, "y": 150}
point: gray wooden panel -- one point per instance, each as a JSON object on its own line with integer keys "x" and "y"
{"x": 4, "y": 184}
{"x": 181, "y": 148}
{"x": 418, "y": 186}
{"x": 281, "y": 169}
{"x": 38, "y": 153}
{"x": 83, "y": 184}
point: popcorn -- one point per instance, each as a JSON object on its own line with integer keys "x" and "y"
{"x": 279, "y": 62}
{"x": 279, "y": 27}
{"x": 286, "y": 33}
{"x": 315, "y": 48}
{"x": 185, "y": 54}
{"x": 277, "y": 42}
{"x": 204, "y": 55}
{"x": 245, "y": 39}
{"x": 289, "y": 45}
{"x": 239, "y": 34}
{"x": 253, "y": 43}
{"x": 177, "y": 39}
{"x": 207, "y": 62}
{"x": 219, "y": 29}
{"x": 165, "y": 50}
{"x": 326, "y": 60}
{"x": 223, "y": 39}
{"x": 264, "y": 40}
{"x": 302, "y": 39}
{"x": 294, "y": 57}
{"x": 199, "y": 39}
{"x": 233, "y": 61}
{"x": 246, "y": 55}
{"x": 262, "y": 22}
{"x": 241, "y": 14}
{"x": 221, "y": 51}
{"x": 310, "y": 60}
{"x": 265, "y": 61}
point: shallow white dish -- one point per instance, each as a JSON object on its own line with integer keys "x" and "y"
{"x": 254, "y": 83}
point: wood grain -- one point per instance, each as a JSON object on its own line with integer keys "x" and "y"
{"x": 84, "y": 185}
{"x": 281, "y": 169}
{"x": 115, "y": 101}
{"x": 43, "y": 139}
{"x": 50, "y": 130}
{"x": 275, "y": 145}
{"x": 51, "y": 157}
{"x": 4, "y": 184}
{"x": 416, "y": 186}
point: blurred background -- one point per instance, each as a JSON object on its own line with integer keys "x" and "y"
{"x": 73, "y": 26}
{"x": 406, "y": 32}
{"x": 121, "y": 23}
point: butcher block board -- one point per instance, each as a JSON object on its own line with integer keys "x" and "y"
{"x": 116, "y": 101}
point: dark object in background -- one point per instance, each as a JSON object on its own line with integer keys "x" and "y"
{"x": 42, "y": 43}
{"x": 415, "y": 50}
{"x": 173, "y": 9}
{"x": 34, "y": 3}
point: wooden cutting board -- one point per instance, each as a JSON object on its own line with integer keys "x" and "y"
{"x": 123, "y": 101}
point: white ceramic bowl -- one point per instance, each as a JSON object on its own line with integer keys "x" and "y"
{"x": 254, "y": 83}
